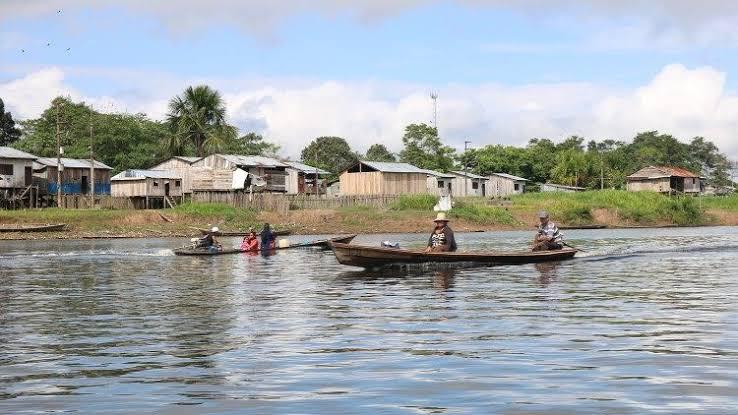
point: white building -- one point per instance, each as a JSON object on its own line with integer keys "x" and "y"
{"x": 502, "y": 184}
{"x": 468, "y": 184}
{"x": 16, "y": 168}
{"x": 439, "y": 184}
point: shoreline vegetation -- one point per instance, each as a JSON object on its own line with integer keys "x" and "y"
{"x": 409, "y": 214}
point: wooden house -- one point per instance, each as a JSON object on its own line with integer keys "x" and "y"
{"x": 148, "y": 189}
{"x": 664, "y": 179}
{"x": 304, "y": 179}
{"x": 439, "y": 184}
{"x": 382, "y": 178}
{"x": 502, "y": 184}
{"x": 228, "y": 172}
{"x": 552, "y": 187}
{"x": 183, "y": 167}
{"x": 468, "y": 184}
{"x": 16, "y": 168}
{"x": 75, "y": 176}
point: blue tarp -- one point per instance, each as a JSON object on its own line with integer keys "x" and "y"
{"x": 76, "y": 188}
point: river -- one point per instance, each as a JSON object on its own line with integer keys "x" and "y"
{"x": 644, "y": 321}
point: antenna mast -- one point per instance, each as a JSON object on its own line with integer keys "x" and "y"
{"x": 434, "y": 97}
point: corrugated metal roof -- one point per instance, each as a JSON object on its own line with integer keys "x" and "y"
{"x": 187, "y": 159}
{"x": 144, "y": 174}
{"x": 252, "y": 160}
{"x": 73, "y": 163}
{"x": 305, "y": 168}
{"x": 563, "y": 186}
{"x": 469, "y": 175}
{"x": 388, "y": 167}
{"x": 510, "y": 176}
{"x": 655, "y": 172}
{"x": 11, "y": 153}
{"x": 438, "y": 174}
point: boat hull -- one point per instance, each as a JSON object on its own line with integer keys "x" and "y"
{"x": 188, "y": 251}
{"x": 33, "y": 228}
{"x": 371, "y": 257}
{"x": 284, "y": 232}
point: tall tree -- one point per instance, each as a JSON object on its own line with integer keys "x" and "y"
{"x": 329, "y": 153}
{"x": 198, "y": 118}
{"x": 423, "y": 148}
{"x": 378, "y": 152}
{"x": 8, "y": 132}
{"x": 251, "y": 144}
{"x": 122, "y": 141}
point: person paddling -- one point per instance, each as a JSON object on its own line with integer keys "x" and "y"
{"x": 208, "y": 241}
{"x": 548, "y": 237}
{"x": 267, "y": 237}
{"x": 250, "y": 242}
{"x": 442, "y": 239}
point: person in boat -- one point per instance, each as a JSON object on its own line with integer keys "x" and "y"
{"x": 548, "y": 237}
{"x": 267, "y": 237}
{"x": 250, "y": 242}
{"x": 442, "y": 239}
{"x": 208, "y": 241}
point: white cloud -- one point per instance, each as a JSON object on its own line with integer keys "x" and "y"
{"x": 678, "y": 100}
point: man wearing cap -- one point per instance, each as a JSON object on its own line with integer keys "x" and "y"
{"x": 548, "y": 237}
{"x": 442, "y": 239}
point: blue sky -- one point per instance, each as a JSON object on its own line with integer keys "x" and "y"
{"x": 363, "y": 69}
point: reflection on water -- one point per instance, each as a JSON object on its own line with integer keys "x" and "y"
{"x": 645, "y": 321}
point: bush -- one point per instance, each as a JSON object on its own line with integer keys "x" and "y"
{"x": 482, "y": 214}
{"x": 415, "y": 202}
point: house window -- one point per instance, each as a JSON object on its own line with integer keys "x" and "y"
{"x": 475, "y": 185}
{"x": 6, "y": 169}
{"x": 440, "y": 184}
{"x": 178, "y": 183}
{"x": 694, "y": 181}
{"x": 517, "y": 187}
{"x": 156, "y": 183}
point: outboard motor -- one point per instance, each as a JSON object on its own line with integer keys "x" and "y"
{"x": 388, "y": 244}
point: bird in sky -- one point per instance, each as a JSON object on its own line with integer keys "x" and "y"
{"x": 48, "y": 44}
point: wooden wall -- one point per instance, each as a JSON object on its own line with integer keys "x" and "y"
{"x": 501, "y": 186}
{"x": 181, "y": 168}
{"x": 661, "y": 184}
{"x": 379, "y": 183}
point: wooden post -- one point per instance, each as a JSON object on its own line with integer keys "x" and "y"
{"x": 58, "y": 158}
{"x": 92, "y": 168}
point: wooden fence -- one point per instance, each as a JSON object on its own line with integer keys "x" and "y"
{"x": 102, "y": 202}
{"x": 282, "y": 203}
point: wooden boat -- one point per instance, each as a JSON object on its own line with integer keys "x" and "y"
{"x": 374, "y": 257}
{"x": 32, "y": 228}
{"x": 188, "y": 250}
{"x": 591, "y": 226}
{"x": 283, "y": 232}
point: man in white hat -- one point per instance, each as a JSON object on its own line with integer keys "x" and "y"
{"x": 208, "y": 241}
{"x": 548, "y": 237}
{"x": 442, "y": 239}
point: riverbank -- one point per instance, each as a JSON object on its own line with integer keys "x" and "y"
{"x": 410, "y": 214}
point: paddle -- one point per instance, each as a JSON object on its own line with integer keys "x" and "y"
{"x": 572, "y": 247}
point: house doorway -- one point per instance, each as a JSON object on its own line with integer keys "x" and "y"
{"x": 166, "y": 189}
{"x": 85, "y": 185}
{"x": 29, "y": 176}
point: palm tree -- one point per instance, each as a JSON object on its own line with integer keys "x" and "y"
{"x": 198, "y": 118}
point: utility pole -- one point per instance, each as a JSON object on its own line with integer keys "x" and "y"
{"x": 466, "y": 166}
{"x": 434, "y": 97}
{"x": 58, "y": 158}
{"x": 92, "y": 167}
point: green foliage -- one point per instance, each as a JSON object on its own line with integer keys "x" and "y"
{"x": 423, "y": 148}
{"x": 378, "y": 152}
{"x": 198, "y": 119}
{"x": 219, "y": 211}
{"x": 122, "y": 141}
{"x": 415, "y": 202}
{"x": 251, "y": 144}
{"x": 329, "y": 153}
{"x": 8, "y": 131}
{"x": 720, "y": 202}
{"x": 482, "y": 214}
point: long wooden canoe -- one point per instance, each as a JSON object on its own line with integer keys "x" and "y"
{"x": 589, "y": 226}
{"x": 32, "y": 228}
{"x": 283, "y": 232}
{"x": 374, "y": 257}
{"x": 189, "y": 251}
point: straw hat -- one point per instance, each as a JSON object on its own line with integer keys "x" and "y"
{"x": 441, "y": 217}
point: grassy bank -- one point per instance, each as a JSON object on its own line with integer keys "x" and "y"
{"x": 407, "y": 214}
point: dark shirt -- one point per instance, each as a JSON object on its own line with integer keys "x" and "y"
{"x": 446, "y": 237}
{"x": 267, "y": 239}
{"x": 207, "y": 240}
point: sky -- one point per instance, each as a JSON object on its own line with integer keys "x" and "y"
{"x": 292, "y": 70}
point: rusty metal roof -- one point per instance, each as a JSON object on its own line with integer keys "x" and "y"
{"x": 655, "y": 172}
{"x": 306, "y": 168}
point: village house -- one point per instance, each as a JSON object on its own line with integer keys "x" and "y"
{"x": 183, "y": 167}
{"x": 502, "y": 184}
{"x": 229, "y": 172}
{"x": 75, "y": 175}
{"x": 552, "y": 187}
{"x": 665, "y": 179}
{"x": 468, "y": 184}
{"x": 439, "y": 184}
{"x": 302, "y": 178}
{"x": 148, "y": 189}
{"x": 16, "y": 176}
{"x": 383, "y": 178}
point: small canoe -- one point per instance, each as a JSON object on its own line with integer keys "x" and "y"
{"x": 32, "y": 228}
{"x": 283, "y": 232}
{"x": 374, "y": 257}
{"x": 591, "y": 226}
{"x": 318, "y": 243}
